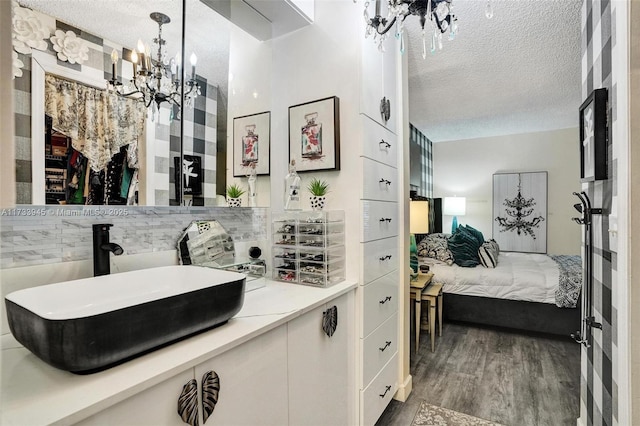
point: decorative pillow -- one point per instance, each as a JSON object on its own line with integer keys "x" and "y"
{"x": 477, "y": 234}
{"x": 488, "y": 255}
{"x": 464, "y": 246}
{"x": 435, "y": 246}
{"x": 495, "y": 245}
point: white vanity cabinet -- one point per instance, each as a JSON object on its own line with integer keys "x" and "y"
{"x": 152, "y": 407}
{"x": 293, "y": 374}
{"x": 321, "y": 367}
{"x": 253, "y": 389}
{"x": 253, "y": 382}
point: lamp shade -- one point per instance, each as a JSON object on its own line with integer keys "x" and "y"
{"x": 419, "y": 217}
{"x": 454, "y": 206}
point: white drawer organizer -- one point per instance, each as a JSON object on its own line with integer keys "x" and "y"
{"x": 308, "y": 247}
{"x": 379, "y": 290}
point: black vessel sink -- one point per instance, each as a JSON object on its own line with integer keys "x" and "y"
{"x": 88, "y": 325}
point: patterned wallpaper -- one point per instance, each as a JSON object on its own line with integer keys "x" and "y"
{"x": 199, "y": 139}
{"x": 200, "y": 122}
{"x": 598, "y": 374}
{"x": 36, "y": 235}
{"x": 421, "y": 162}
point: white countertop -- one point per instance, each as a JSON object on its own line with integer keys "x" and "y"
{"x": 34, "y": 393}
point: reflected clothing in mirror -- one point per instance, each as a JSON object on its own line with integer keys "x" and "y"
{"x": 70, "y": 179}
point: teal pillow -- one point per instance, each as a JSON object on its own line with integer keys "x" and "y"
{"x": 477, "y": 234}
{"x": 464, "y": 247}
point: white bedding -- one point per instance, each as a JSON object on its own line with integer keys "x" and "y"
{"x": 518, "y": 276}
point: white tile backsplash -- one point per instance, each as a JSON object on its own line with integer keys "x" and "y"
{"x": 64, "y": 233}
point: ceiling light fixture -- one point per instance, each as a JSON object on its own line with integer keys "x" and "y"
{"x": 156, "y": 80}
{"x": 439, "y": 12}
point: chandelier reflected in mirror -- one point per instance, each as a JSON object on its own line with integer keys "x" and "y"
{"x": 156, "y": 79}
{"x": 438, "y": 12}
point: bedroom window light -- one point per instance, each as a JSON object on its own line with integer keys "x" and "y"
{"x": 454, "y": 206}
{"x": 418, "y": 224}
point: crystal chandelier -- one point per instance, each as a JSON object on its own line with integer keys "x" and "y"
{"x": 155, "y": 80}
{"x": 438, "y": 12}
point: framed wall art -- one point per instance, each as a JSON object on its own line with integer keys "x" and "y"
{"x": 192, "y": 173}
{"x": 314, "y": 135}
{"x": 520, "y": 211}
{"x": 593, "y": 137}
{"x": 252, "y": 144}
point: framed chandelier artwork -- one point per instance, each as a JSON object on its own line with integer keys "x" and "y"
{"x": 252, "y": 144}
{"x": 520, "y": 211}
{"x": 593, "y": 137}
{"x": 314, "y": 135}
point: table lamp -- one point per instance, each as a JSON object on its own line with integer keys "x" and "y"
{"x": 454, "y": 206}
{"x": 418, "y": 224}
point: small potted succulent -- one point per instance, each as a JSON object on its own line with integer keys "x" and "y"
{"x": 234, "y": 192}
{"x": 318, "y": 189}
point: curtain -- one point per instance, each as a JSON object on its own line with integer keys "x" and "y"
{"x": 99, "y": 122}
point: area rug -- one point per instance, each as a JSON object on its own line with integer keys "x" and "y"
{"x": 432, "y": 415}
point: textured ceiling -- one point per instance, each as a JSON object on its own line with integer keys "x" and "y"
{"x": 125, "y": 22}
{"x": 518, "y": 72}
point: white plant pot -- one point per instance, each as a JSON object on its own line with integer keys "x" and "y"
{"x": 317, "y": 202}
{"x": 234, "y": 202}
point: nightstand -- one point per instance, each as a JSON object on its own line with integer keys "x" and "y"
{"x": 423, "y": 289}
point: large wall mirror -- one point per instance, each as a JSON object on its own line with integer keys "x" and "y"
{"x": 79, "y": 142}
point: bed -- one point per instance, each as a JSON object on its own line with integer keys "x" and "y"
{"x": 525, "y": 291}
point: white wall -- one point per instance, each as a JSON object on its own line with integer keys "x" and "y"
{"x": 249, "y": 93}
{"x": 315, "y": 62}
{"x": 465, "y": 168}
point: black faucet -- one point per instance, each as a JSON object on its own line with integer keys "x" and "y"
{"x": 101, "y": 249}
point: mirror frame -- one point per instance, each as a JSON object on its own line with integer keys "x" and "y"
{"x": 42, "y": 64}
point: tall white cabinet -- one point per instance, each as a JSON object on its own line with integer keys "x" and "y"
{"x": 378, "y": 293}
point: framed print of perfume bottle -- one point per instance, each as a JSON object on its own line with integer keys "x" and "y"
{"x": 252, "y": 144}
{"x": 311, "y": 138}
{"x": 314, "y": 135}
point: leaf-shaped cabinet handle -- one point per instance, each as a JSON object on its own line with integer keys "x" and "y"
{"x": 188, "y": 403}
{"x": 330, "y": 320}
{"x": 210, "y": 392}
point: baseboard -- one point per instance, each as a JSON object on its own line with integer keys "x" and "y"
{"x": 404, "y": 390}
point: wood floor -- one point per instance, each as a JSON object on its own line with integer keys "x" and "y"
{"x": 506, "y": 377}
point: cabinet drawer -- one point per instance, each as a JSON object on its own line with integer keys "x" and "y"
{"x": 375, "y": 398}
{"x": 380, "y": 301}
{"x": 379, "y": 220}
{"x": 379, "y": 347}
{"x": 379, "y": 258}
{"x": 380, "y": 182}
{"x": 378, "y": 143}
